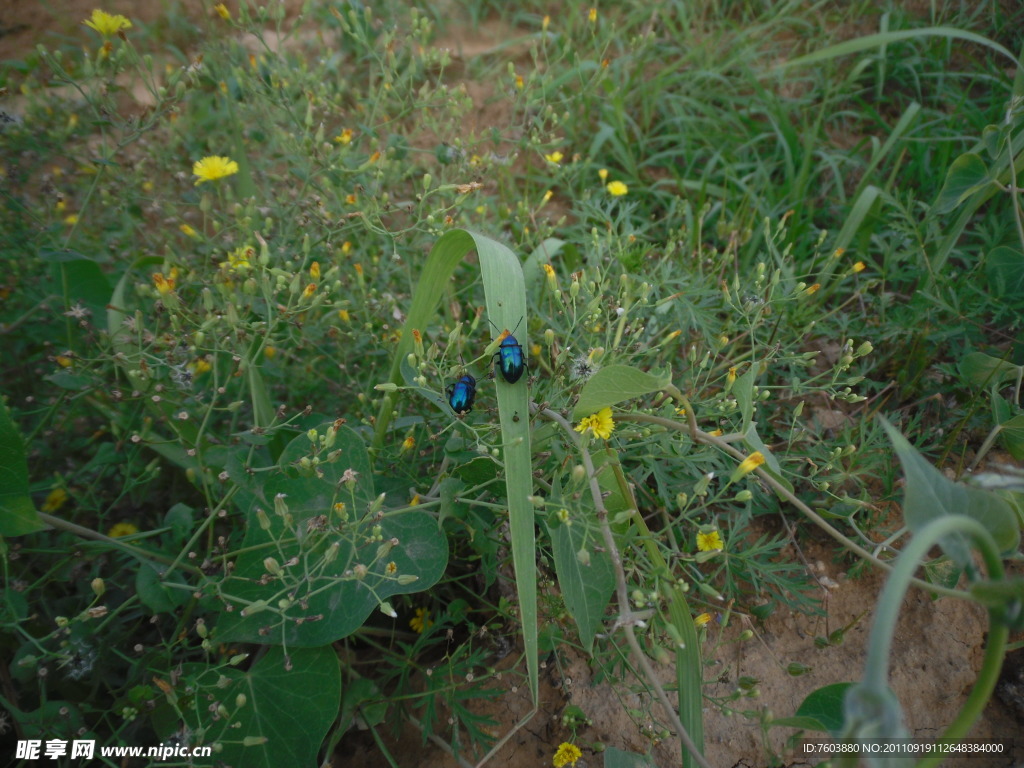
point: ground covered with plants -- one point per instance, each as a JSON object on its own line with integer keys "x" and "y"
{"x": 516, "y": 384}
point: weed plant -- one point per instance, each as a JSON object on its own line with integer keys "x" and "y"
{"x": 242, "y": 267}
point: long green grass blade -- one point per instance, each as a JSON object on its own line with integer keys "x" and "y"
{"x": 505, "y": 297}
{"x": 886, "y": 38}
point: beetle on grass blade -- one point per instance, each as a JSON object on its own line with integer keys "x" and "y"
{"x": 510, "y": 358}
{"x": 461, "y": 395}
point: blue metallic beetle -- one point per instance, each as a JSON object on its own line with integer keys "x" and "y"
{"x": 461, "y": 395}
{"x": 510, "y": 358}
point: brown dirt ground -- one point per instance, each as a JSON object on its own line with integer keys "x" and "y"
{"x": 936, "y": 653}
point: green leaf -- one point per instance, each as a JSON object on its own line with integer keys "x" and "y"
{"x": 967, "y": 175}
{"x": 323, "y": 599}
{"x": 825, "y": 706}
{"x": 153, "y": 593}
{"x": 615, "y": 384}
{"x": 804, "y": 723}
{"x": 505, "y": 297}
{"x": 586, "y": 589}
{"x": 1004, "y": 267}
{"x": 743, "y": 391}
{"x": 290, "y": 701}
{"x": 618, "y": 758}
{"x": 1011, "y": 432}
{"x": 983, "y": 370}
{"x": 86, "y": 284}
{"x": 18, "y": 514}
{"x": 929, "y": 495}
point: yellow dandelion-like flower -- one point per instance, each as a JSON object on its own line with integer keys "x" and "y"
{"x": 545, "y": 23}
{"x": 188, "y": 231}
{"x": 555, "y": 157}
{"x": 520, "y": 83}
{"x": 346, "y": 248}
{"x": 566, "y": 754}
{"x": 351, "y": 199}
{"x": 415, "y": 500}
{"x": 600, "y": 423}
{"x": 63, "y": 361}
{"x": 239, "y": 259}
{"x": 547, "y": 196}
{"x": 716, "y": 433}
{"x": 72, "y": 219}
{"x": 813, "y": 289}
{"x": 391, "y": 568}
{"x": 213, "y": 167}
{"x": 344, "y": 316}
{"x": 420, "y": 621}
{"x": 269, "y": 352}
{"x": 603, "y": 174}
{"x": 617, "y": 188}
{"x": 200, "y": 365}
{"x": 122, "y": 529}
{"x": 345, "y": 137}
{"x": 702, "y": 620}
{"x": 730, "y": 378}
{"x": 838, "y": 253}
{"x": 592, "y": 15}
{"x": 165, "y": 284}
{"x": 314, "y": 270}
{"x": 408, "y": 444}
{"x": 709, "y": 542}
{"x": 222, "y": 11}
{"x": 107, "y": 24}
{"x": 748, "y": 465}
{"x": 55, "y": 499}
{"x": 859, "y": 266}
{"x": 309, "y": 291}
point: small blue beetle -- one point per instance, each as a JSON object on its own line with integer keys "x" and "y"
{"x": 510, "y": 358}
{"x": 461, "y": 395}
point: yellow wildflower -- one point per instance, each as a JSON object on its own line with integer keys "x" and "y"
{"x": 314, "y": 270}
{"x": 269, "y": 351}
{"x": 420, "y": 622}
{"x": 408, "y": 444}
{"x": 200, "y": 365}
{"x": 238, "y": 259}
{"x": 520, "y": 83}
{"x": 72, "y": 219}
{"x": 344, "y": 316}
{"x": 813, "y": 289}
{"x": 617, "y": 188}
{"x": 345, "y": 137}
{"x": 64, "y": 361}
{"x": 223, "y": 11}
{"x": 603, "y": 174}
{"x": 709, "y": 542}
{"x": 213, "y": 167}
{"x": 859, "y": 266}
{"x": 702, "y": 620}
{"x": 309, "y": 291}
{"x": 748, "y": 465}
{"x": 555, "y": 157}
{"x": 600, "y": 423}
{"x": 107, "y": 24}
{"x": 122, "y": 529}
{"x": 165, "y": 284}
{"x": 545, "y": 23}
{"x": 188, "y": 231}
{"x": 592, "y": 15}
{"x": 54, "y": 500}
{"x": 566, "y": 754}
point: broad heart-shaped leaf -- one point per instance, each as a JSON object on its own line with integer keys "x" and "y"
{"x": 614, "y": 384}
{"x": 825, "y": 707}
{"x": 968, "y": 174}
{"x": 289, "y": 705}
{"x": 983, "y": 370}
{"x": 586, "y": 589}
{"x": 329, "y": 570}
{"x": 18, "y": 514}
{"x": 929, "y": 495}
{"x": 1004, "y": 268}
{"x": 1011, "y": 432}
{"x": 619, "y": 758}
